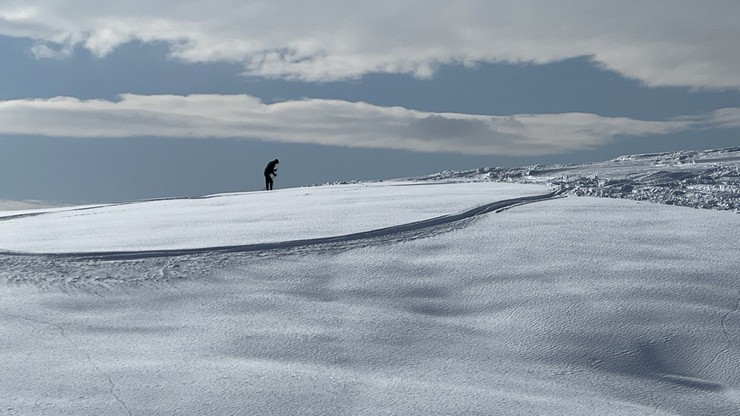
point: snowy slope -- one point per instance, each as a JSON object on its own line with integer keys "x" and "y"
{"x": 248, "y": 218}
{"x": 383, "y": 299}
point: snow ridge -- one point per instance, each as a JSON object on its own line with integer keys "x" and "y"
{"x": 381, "y": 232}
{"x": 708, "y": 179}
{"x": 99, "y": 271}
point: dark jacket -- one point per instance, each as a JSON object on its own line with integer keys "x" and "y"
{"x": 270, "y": 168}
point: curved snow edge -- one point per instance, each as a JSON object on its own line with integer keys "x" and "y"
{"x": 380, "y": 232}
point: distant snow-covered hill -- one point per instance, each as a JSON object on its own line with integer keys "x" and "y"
{"x": 704, "y": 179}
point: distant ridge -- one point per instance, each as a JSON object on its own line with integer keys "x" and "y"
{"x": 708, "y": 179}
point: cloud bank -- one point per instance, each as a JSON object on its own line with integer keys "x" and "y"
{"x": 676, "y": 43}
{"x": 333, "y": 122}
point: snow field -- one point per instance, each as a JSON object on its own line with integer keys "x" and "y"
{"x": 574, "y": 306}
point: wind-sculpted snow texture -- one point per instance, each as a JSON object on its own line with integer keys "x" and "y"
{"x": 526, "y": 304}
{"x": 708, "y": 179}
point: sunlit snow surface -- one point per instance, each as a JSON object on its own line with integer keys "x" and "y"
{"x": 234, "y": 219}
{"x": 393, "y": 298}
{"x": 707, "y": 179}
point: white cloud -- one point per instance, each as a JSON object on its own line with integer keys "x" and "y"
{"x": 681, "y": 42}
{"x": 726, "y": 118}
{"x": 332, "y": 122}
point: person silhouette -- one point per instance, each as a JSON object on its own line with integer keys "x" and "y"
{"x": 270, "y": 171}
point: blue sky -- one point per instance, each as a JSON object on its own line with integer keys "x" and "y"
{"x": 108, "y": 101}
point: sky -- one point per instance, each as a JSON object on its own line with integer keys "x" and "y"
{"x": 104, "y": 101}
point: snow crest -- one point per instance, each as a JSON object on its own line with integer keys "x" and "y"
{"x": 708, "y": 179}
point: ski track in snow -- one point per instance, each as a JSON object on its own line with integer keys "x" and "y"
{"x": 76, "y": 347}
{"x": 101, "y": 271}
{"x": 726, "y": 333}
